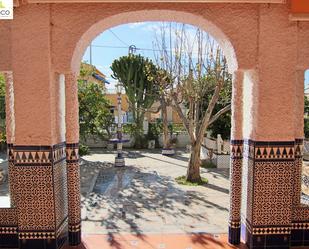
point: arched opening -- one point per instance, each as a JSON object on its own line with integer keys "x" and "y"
{"x": 120, "y": 211}
{"x": 154, "y": 15}
{"x": 3, "y": 156}
{"x": 305, "y": 167}
{"x": 6, "y": 138}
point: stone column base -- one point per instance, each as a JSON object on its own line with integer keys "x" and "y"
{"x": 119, "y": 161}
{"x": 8, "y": 237}
{"x": 234, "y": 235}
{"x": 268, "y": 237}
{"x": 74, "y": 235}
{"x": 74, "y": 238}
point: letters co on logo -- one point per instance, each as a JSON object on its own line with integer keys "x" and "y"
{"x": 6, "y": 9}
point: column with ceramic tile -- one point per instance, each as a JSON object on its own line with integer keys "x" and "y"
{"x": 269, "y": 129}
{"x": 40, "y": 197}
{"x": 236, "y": 159}
{"x": 73, "y": 170}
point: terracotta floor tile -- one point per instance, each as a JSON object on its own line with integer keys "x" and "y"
{"x": 156, "y": 241}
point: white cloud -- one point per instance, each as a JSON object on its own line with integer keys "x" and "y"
{"x": 153, "y": 27}
{"x": 106, "y": 67}
{"x": 136, "y": 25}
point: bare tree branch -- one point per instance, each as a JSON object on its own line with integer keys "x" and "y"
{"x": 209, "y": 110}
{"x": 219, "y": 113}
{"x": 185, "y": 121}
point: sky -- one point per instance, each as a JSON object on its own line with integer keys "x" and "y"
{"x": 113, "y": 43}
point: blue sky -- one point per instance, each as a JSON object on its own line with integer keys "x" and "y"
{"x": 114, "y": 43}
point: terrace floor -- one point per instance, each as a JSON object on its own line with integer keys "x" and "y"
{"x": 166, "y": 241}
{"x": 143, "y": 197}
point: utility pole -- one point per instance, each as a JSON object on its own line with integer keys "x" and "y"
{"x": 91, "y": 53}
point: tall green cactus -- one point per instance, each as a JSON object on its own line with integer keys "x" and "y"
{"x": 136, "y": 74}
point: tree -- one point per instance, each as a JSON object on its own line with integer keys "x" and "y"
{"x": 136, "y": 74}
{"x": 198, "y": 72}
{"x": 95, "y": 117}
{"x": 222, "y": 125}
{"x": 163, "y": 81}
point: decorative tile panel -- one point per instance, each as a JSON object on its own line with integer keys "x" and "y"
{"x": 74, "y": 194}
{"x": 273, "y": 190}
{"x": 297, "y": 176}
{"x": 40, "y": 193}
{"x": 236, "y": 149}
{"x": 235, "y": 191}
{"x": 61, "y": 193}
{"x": 268, "y": 192}
{"x": 72, "y": 153}
{"x": 74, "y": 202}
{"x": 274, "y": 151}
{"x": 271, "y": 230}
{"x": 34, "y": 198}
{"x": 8, "y": 217}
{"x": 247, "y": 181}
{"x": 8, "y": 230}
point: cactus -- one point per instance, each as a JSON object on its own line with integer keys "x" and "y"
{"x": 135, "y": 73}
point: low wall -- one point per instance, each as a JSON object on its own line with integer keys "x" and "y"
{"x": 96, "y": 142}
{"x": 182, "y": 141}
{"x": 221, "y": 160}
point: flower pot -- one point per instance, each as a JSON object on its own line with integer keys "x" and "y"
{"x": 110, "y": 146}
{"x": 151, "y": 144}
{"x": 168, "y": 152}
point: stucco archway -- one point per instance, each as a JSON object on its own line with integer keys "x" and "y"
{"x": 155, "y": 15}
{"x": 266, "y": 44}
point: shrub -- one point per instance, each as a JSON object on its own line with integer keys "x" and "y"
{"x": 182, "y": 180}
{"x": 83, "y": 150}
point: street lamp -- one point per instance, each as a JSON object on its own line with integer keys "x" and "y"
{"x": 119, "y": 159}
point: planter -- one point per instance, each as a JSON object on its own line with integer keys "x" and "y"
{"x": 110, "y": 146}
{"x": 3, "y": 146}
{"x": 151, "y": 144}
{"x": 168, "y": 152}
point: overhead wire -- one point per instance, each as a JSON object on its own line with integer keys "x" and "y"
{"x": 118, "y": 38}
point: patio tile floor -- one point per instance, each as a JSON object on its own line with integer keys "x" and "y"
{"x": 156, "y": 241}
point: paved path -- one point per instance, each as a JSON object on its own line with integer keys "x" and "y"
{"x": 143, "y": 197}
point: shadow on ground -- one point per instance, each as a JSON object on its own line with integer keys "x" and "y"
{"x": 132, "y": 201}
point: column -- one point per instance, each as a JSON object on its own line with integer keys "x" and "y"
{"x": 236, "y": 159}
{"x": 72, "y": 158}
{"x": 39, "y": 148}
{"x": 269, "y": 129}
